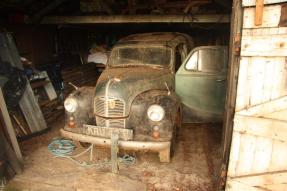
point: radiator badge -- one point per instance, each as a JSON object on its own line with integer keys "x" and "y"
{"x": 112, "y": 104}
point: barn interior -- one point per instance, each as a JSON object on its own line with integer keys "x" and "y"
{"x": 50, "y": 41}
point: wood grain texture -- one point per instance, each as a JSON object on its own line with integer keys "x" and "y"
{"x": 259, "y": 145}
{"x": 270, "y": 17}
{"x": 267, "y": 109}
{"x": 263, "y": 127}
{"x": 257, "y": 83}
{"x": 263, "y": 45}
{"x": 31, "y": 110}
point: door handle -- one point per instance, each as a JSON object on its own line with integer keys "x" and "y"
{"x": 220, "y": 80}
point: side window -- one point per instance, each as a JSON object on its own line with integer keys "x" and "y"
{"x": 192, "y": 62}
{"x": 211, "y": 60}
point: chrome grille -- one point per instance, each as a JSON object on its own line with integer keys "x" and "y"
{"x": 115, "y": 123}
{"x": 110, "y": 107}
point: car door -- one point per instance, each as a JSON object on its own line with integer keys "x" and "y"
{"x": 201, "y": 81}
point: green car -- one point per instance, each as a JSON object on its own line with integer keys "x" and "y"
{"x": 139, "y": 95}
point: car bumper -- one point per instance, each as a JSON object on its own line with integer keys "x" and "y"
{"x": 128, "y": 145}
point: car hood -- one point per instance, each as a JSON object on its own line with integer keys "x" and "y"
{"x": 125, "y": 83}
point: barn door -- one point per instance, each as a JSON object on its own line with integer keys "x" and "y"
{"x": 258, "y": 156}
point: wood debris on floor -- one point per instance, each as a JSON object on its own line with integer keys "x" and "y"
{"x": 192, "y": 168}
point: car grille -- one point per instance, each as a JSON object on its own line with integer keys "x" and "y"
{"x": 110, "y": 107}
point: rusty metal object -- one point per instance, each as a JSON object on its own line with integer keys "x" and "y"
{"x": 128, "y": 145}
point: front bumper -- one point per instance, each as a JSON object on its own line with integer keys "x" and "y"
{"x": 128, "y": 145}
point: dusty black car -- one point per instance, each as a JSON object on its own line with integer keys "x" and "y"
{"x": 134, "y": 96}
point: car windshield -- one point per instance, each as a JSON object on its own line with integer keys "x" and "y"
{"x": 134, "y": 56}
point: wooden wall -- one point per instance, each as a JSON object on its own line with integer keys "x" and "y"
{"x": 35, "y": 42}
{"x": 258, "y": 158}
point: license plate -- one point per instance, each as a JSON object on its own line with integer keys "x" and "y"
{"x": 106, "y": 132}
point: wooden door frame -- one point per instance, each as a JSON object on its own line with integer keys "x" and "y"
{"x": 232, "y": 79}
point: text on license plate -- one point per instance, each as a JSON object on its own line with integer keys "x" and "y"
{"x": 106, "y": 132}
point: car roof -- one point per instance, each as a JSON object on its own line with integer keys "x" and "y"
{"x": 158, "y": 38}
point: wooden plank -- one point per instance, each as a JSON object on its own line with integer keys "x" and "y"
{"x": 247, "y": 3}
{"x": 270, "y": 17}
{"x": 265, "y": 108}
{"x": 32, "y": 111}
{"x": 114, "y": 152}
{"x": 246, "y": 155}
{"x": 268, "y": 128}
{"x": 243, "y": 87}
{"x": 49, "y": 88}
{"x": 136, "y": 19}
{"x": 233, "y": 185}
{"x": 10, "y": 155}
{"x": 261, "y": 180}
{"x": 259, "y": 12}
{"x": 234, "y": 153}
{"x": 279, "y": 115}
{"x": 256, "y": 73}
{"x": 262, "y": 155}
{"x": 263, "y": 45}
{"x": 279, "y": 156}
{"x": 9, "y": 127}
{"x": 276, "y": 187}
{"x": 256, "y": 82}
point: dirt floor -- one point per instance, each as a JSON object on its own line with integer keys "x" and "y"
{"x": 193, "y": 167}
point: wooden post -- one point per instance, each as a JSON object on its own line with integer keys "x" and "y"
{"x": 9, "y": 127}
{"x": 259, "y": 12}
{"x": 114, "y": 152}
{"x": 231, "y": 92}
{"x": 10, "y": 155}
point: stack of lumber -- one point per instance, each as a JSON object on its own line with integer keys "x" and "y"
{"x": 52, "y": 110}
{"x": 82, "y": 75}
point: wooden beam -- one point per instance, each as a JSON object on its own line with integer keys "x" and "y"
{"x": 262, "y": 127}
{"x": 117, "y": 19}
{"x": 231, "y": 92}
{"x": 50, "y": 7}
{"x": 114, "y": 152}
{"x": 9, "y": 127}
{"x": 265, "y": 108}
{"x": 10, "y": 154}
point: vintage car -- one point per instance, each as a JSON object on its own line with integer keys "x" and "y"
{"x": 135, "y": 95}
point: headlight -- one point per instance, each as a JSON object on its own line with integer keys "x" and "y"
{"x": 71, "y": 104}
{"x": 155, "y": 113}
